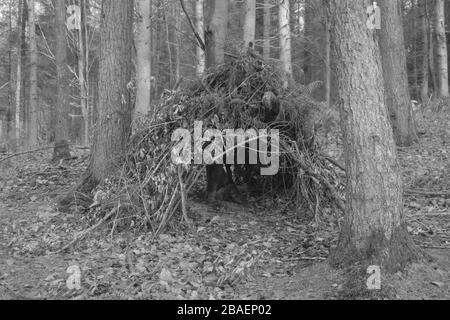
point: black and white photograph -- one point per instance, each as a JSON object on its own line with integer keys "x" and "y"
{"x": 224, "y": 155}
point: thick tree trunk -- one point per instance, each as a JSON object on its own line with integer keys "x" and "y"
{"x": 267, "y": 33}
{"x": 441, "y": 49}
{"x": 425, "y": 63}
{"x": 62, "y": 81}
{"x": 216, "y": 32}
{"x": 115, "y": 109}
{"x": 285, "y": 41}
{"x": 144, "y": 51}
{"x": 34, "y": 100}
{"x": 393, "y": 56}
{"x": 374, "y": 230}
{"x": 250, "y": 23}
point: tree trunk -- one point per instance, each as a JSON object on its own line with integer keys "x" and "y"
{"x": 115, "y": 109}
{"x": 62, "y": 82}
{"x": 441, "y": 49}
{"x": 34, "y": 100}
{"x": 144, "y": 54}
{"x": 425, "y": 54}
{"x": 18, "y": 97}
{"x": 267, "y": 28}
{"x": 250, "y": 23}
{"x": 216, "y": 32}
{"x": 199, "y": 14}
{"x": 327, "y": 83}
{"x": 393, "y": 56}
{"x": 285, "y": 41}
{"x": 84, "y": 101}
{"x": 374, "y": 230}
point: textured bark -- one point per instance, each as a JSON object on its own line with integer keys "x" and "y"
{"x": 393, "y": 54}
{"x": 249, "y": 23}
{"x": 82, "y": 76}
{"x": 34, "y": 100}
{"x": 62, "y": 77}
{"x": 441, "y": 47}
{"x": 374, "y": 230}
{"x": 200, "y": 18}
{"x": 216, "y": 32}
{"x": 143, "y": 48}
{"x": 425, "y": 78}
{"x": 115, "y": 109}
{"x": 267, "y": 33}
{"x": 285, "y": 41}
{"x": 18, "y": 92}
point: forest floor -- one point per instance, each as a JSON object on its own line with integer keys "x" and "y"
{"x": 236, "y": 252}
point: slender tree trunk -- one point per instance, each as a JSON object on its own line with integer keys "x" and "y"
{"x": 250, "y": 23}
{"x": 327, "y": 58}
{"x": 169, "y": 48}
{"x": 115, "y": 108}
{"x": 285, "y": 41}
{"x": 216, "y": 32}
{"x": 144, "y": 54}
{"x": 82, "y": 78}
{"x": 62, "y": 82}
{"x": 374, "y": 230}
{"x": 34, "y": 100}
{"x": 267, "y": 28}
{"x": 425, "y": 54}
{"x": 441, "y": 49}
{"x": 18, "y": 97}
{"x": 201, "y": 58}
{"x": 393, "y": 55}
{"x": 431, "y": 58}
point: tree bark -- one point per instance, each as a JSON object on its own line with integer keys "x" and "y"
{"x": 115, "y": 108}
{"x": 374, "y": 230}
{"x": 285, "y": 41}
{"x": 34, "y": 100}
{"x": 425, "y": 63}
{"x": 216, "y": 32}
{"x": 62, "y": 81}
{"x": 267, "y": 29}
{"x": 250, "y": 23}
{"x": 441, "y": 49}
{"x": 84, "y": 101}
{"x": 393, "y": 55}
{"x": 201, "y": 58}
{"x": 144, "y": 53}
{"x": 18, "y": 93}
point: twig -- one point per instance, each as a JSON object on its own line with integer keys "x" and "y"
{"x": 428, "y": 193}
{"x": 86, "y": 232}
{"x": 199, "y": 38}
{"x": 25, "y": 152}
{"x": 183, "y": 195}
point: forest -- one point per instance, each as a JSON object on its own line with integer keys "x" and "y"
{"x": 224, "y": 150}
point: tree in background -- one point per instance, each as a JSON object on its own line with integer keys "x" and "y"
{"x": 143, "y": 57}
{"x": 441, "y": 47}
{"x": 216, "y": 32}
{"x": 398, "y": 100}
{"x": 374, "y": 230}
{"x": 34, "y": 99}
{"x": 285, "y": 40}
{"x": 250, "y": 23}
{"x": 62, "y": 83}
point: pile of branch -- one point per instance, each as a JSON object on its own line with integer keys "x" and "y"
{"x": 229, "y": 96}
